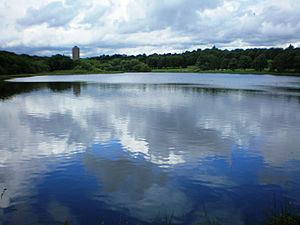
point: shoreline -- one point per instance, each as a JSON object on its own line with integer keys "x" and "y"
{"x": 253, "y": 72}
{"x": 175, "y": 70}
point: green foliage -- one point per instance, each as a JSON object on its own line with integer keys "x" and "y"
{"x": 208, "y": 62}
{"x": 105, "y": 67}
{"x": 284, "y": 214}
{"x": 245, "y": 62}
{"x": 60, "y": 62}
{"x": 277, "y": 60}
{"x": 86, "y": 65}
{"x": 11, "y": 63}
{"x": 66, "y": 223}
{"x": 141, "y": 67}
{"x": 297, "y": 63}
{"x": 280, "y": 62}
{"x": 233, "y": 64}
{"x": 167, "y": 61}
{"x": 133, "y": 65}
{"x": 260, "y": 62}
{"x": 284, "y": 219}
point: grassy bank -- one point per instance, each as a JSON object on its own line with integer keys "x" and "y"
{"x": 190, "y": 69}
{"x": 194, "y": 69}
{"x": 278, "y": 214}
{"x": 286, "y": 219}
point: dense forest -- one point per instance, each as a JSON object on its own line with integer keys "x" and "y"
{"x": 277, "y": 60}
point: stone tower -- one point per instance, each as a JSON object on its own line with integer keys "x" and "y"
{"x": 75, "y": 53}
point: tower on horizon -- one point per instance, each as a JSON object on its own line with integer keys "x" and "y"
{"x": 75, "y": 53}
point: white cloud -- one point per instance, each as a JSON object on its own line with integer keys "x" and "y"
{"x": 144, "y": 26}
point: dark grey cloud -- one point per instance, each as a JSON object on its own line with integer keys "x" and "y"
{"x": 180, "y": 16}
{"x": 54, "y": 14}
{"x": 95, "y": 16}
{"x": 40, "y": 50}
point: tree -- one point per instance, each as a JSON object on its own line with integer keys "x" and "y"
{"x": 297, "y": 63}
{"x": 141, "y": 67}
{"x": 152, "y": 61}
{"x": 60, "y": 62}
{"x": 279, "y": 62}
{"x": 202, "y": 63}
{"x": 245, "y": 62}
{"x": 2, "y": 71}
{"x": 84, "y": 64}
{"x": 260, "y": 62}
{"x": 224, "y": 62}
{"x": 134, "y": 65}
{"x": 233, "y": 64}
{"x": 208, "y": 62}
{"x": 277, "y": 59}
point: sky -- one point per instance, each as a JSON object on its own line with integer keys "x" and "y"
{"x": 145, "y": 26}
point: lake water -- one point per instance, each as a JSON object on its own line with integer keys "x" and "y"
{"x": 148, "y": 148}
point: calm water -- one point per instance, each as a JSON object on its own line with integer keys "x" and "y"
{"x": 146, "y": 148}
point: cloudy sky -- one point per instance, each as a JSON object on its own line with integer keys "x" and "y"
{"x": 145, "y": 26}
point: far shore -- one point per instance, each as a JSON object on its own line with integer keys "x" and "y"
{"x": 168, "y": 70}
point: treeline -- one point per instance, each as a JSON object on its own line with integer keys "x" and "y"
{"x": 268, "y": 60}
{"x": 273, "y": 60}
{"x": 11, "y": 63}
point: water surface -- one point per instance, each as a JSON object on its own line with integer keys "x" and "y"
{"x": 145, "y": 148}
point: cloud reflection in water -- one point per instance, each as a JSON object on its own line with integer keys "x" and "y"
{"x": 151, "y": 148}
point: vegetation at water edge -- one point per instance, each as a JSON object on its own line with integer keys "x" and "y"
{"x": 272, "y": 60}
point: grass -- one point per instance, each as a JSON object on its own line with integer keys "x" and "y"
{"x": 286, "y": 214}
{"x": 189, "y": 69}
{"x": 284, "y": 219}
{"x": 194, "y": 69}
{"x": 280, "y": 216}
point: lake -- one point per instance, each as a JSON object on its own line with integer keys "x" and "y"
{"x": 148, "y": 148}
